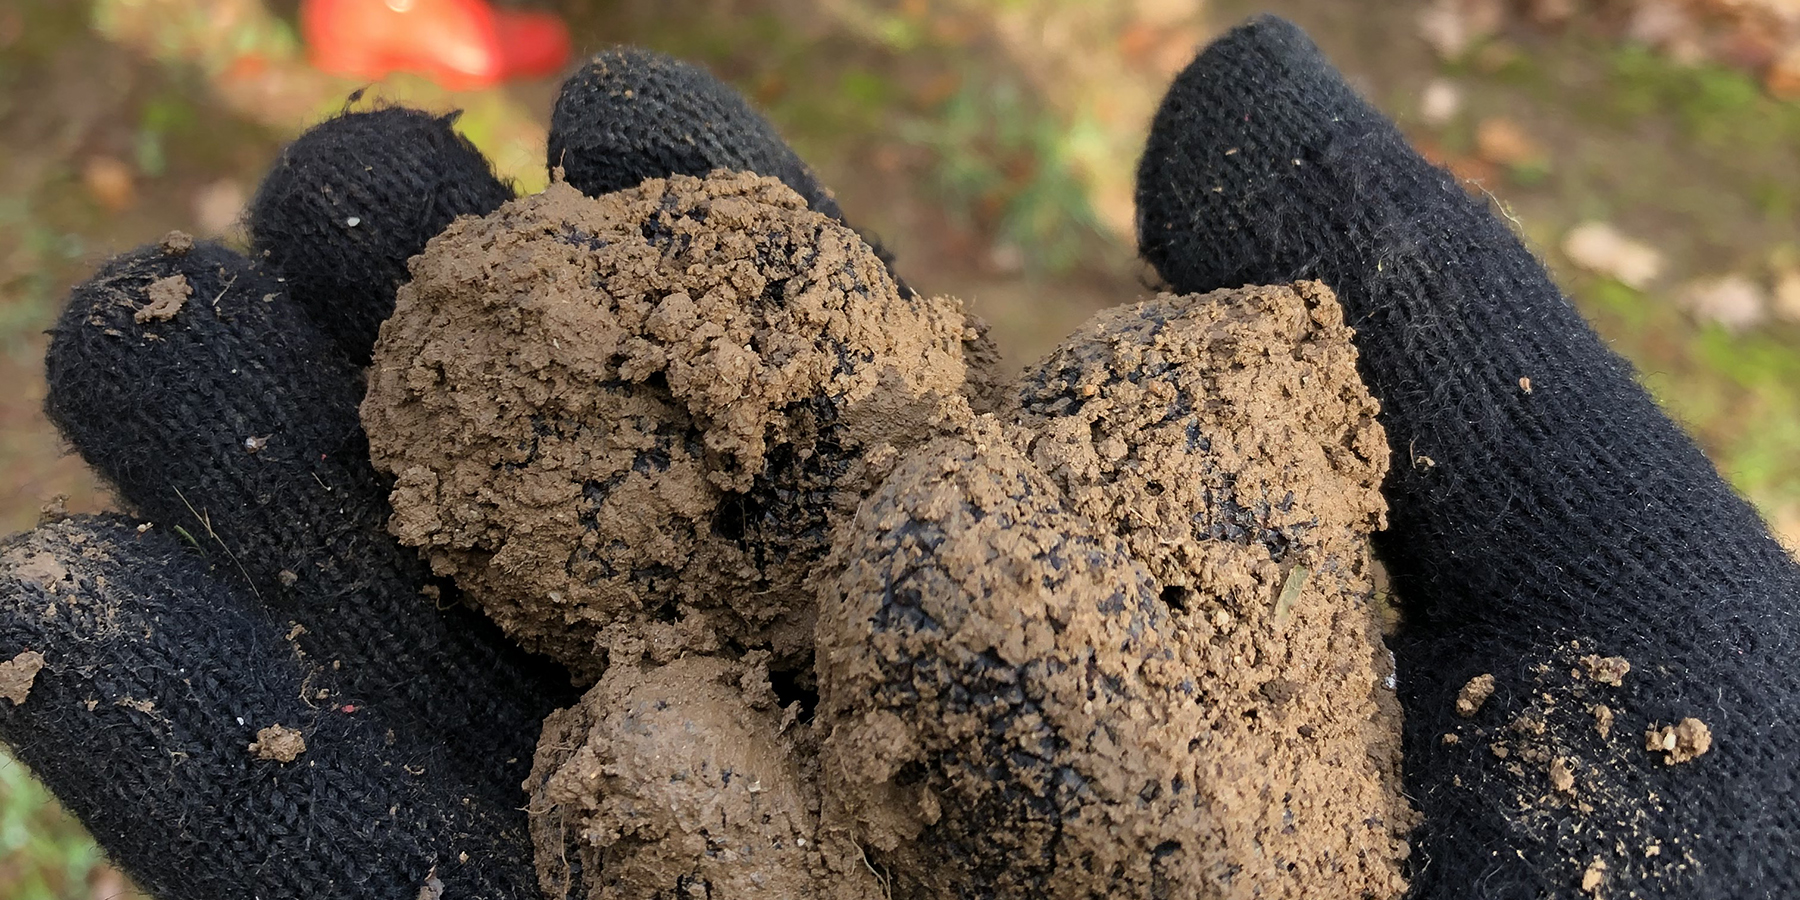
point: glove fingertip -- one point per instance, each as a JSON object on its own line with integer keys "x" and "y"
{"x": 351, "y": 200}
{"x": 1235, "y": 133}
{"x": 631, "y": 114}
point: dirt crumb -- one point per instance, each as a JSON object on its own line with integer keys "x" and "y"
{"x": 54, "y": 511}
{"x": 1474, "y": 695}
{"x": 1606, "y": 669}
{"x": 1684, "y": 741}
{"x": 166, "y": 297}
{"x": 18, "y": 674}
{"x": 433, "y": 888}
{"x": 650, "y": 408}
{"x": 1594, "y": 877}
{"x": 278, "y": 743}
{"x": 1603, "y": 720}
{"x": 1562, "y": 775}
{"x": 177, "y": 243}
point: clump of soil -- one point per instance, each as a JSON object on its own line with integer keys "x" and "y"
{"x": 1474, "y": 695}
{"x": 1135, "y": 630}
{"x": 278, "y": 743}
{"x": 1117, "y": 640}
{"x": 167, "y": 295}
{"x": 998, "y": 692}
{"x": 648, "y": 409}
{"x": 1684, "y": 741}
{"x": 1606, "y": 669}
{"x": 1565, "y": 757}
{"x": 681, "y": 780}
{"x": 18, "y": 674}
{"x": 1228, "y": 441}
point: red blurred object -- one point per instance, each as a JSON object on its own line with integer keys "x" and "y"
{"x": 461, "y": 44}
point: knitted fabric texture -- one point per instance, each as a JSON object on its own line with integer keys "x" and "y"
{"x": 187, "y": 380}
{"x": 1546, "y": 518}
{"x": 631, "y": 114}
{"x": 352, "y": 199}
{"x": 156, "y": 680}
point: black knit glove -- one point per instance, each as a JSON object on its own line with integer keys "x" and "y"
{"x": 1545, "y": 516}
{"x": 1537, "y": 532}
{"x": 248, "y": 688}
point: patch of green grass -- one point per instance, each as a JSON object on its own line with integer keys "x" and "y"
{"x": 44, "y": 853}
{"x": 1004, "y": 161}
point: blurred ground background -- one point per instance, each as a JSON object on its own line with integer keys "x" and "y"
{"x": 1648, "y": 149}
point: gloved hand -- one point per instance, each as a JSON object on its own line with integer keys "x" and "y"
{"x": 1546, "y": 518}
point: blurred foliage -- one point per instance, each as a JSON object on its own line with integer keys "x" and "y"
{"x": 1004, "y": 167}
{"x": 1738, "y": 393}
{"x": 44, "y": 853}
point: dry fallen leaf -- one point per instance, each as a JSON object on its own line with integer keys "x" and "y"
{"x": 1600, "y": 248}
{"x": 1733, "y": 301}
{"x": 110, "y": 182}
{"x": 1504, "y": 142}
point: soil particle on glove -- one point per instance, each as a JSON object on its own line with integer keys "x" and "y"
{"x": 55, "y": 510}
{"x": 18, "y": 674}
{"x": 166, "y": 298}
{"x": 1127, "y": 647}
{"x": 1594, "y": 877}
{"x": 1606, "y": 669}
{"x": 650, "y": 407}
{"x": 177, "y": 243}
{"x": 678, "y": 781}
{"x": 1603, "y": 720}
{"x": 1569, "y": 766}
{"x": 1474, "y": 695}
{"x": 1684, "y": 741}
{"x": 278, "y": 743}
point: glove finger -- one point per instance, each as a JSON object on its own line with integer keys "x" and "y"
{"x": 211, "y": 757}
{"x": 351, "y": 200}
{"x": 213, "y": 406}
{"x": 1543, "y": 509}
{"x": 632, "y": 114}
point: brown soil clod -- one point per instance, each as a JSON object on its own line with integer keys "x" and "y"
{"x": 998, "y": 688}
{"x": 177, "y": 243}
{"x": 18, "y": 674}
{"x": 1606, "y": 669}
{"x": 278, "y": 743}
{"x": 1685, "y": 741}
{"x": 650, "y": 407}
{"x": 1474, "y": 695}
{"x": 1103, "y": 642}
{"x": 677, "y": 781}
{"x": 166, "y": 298}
